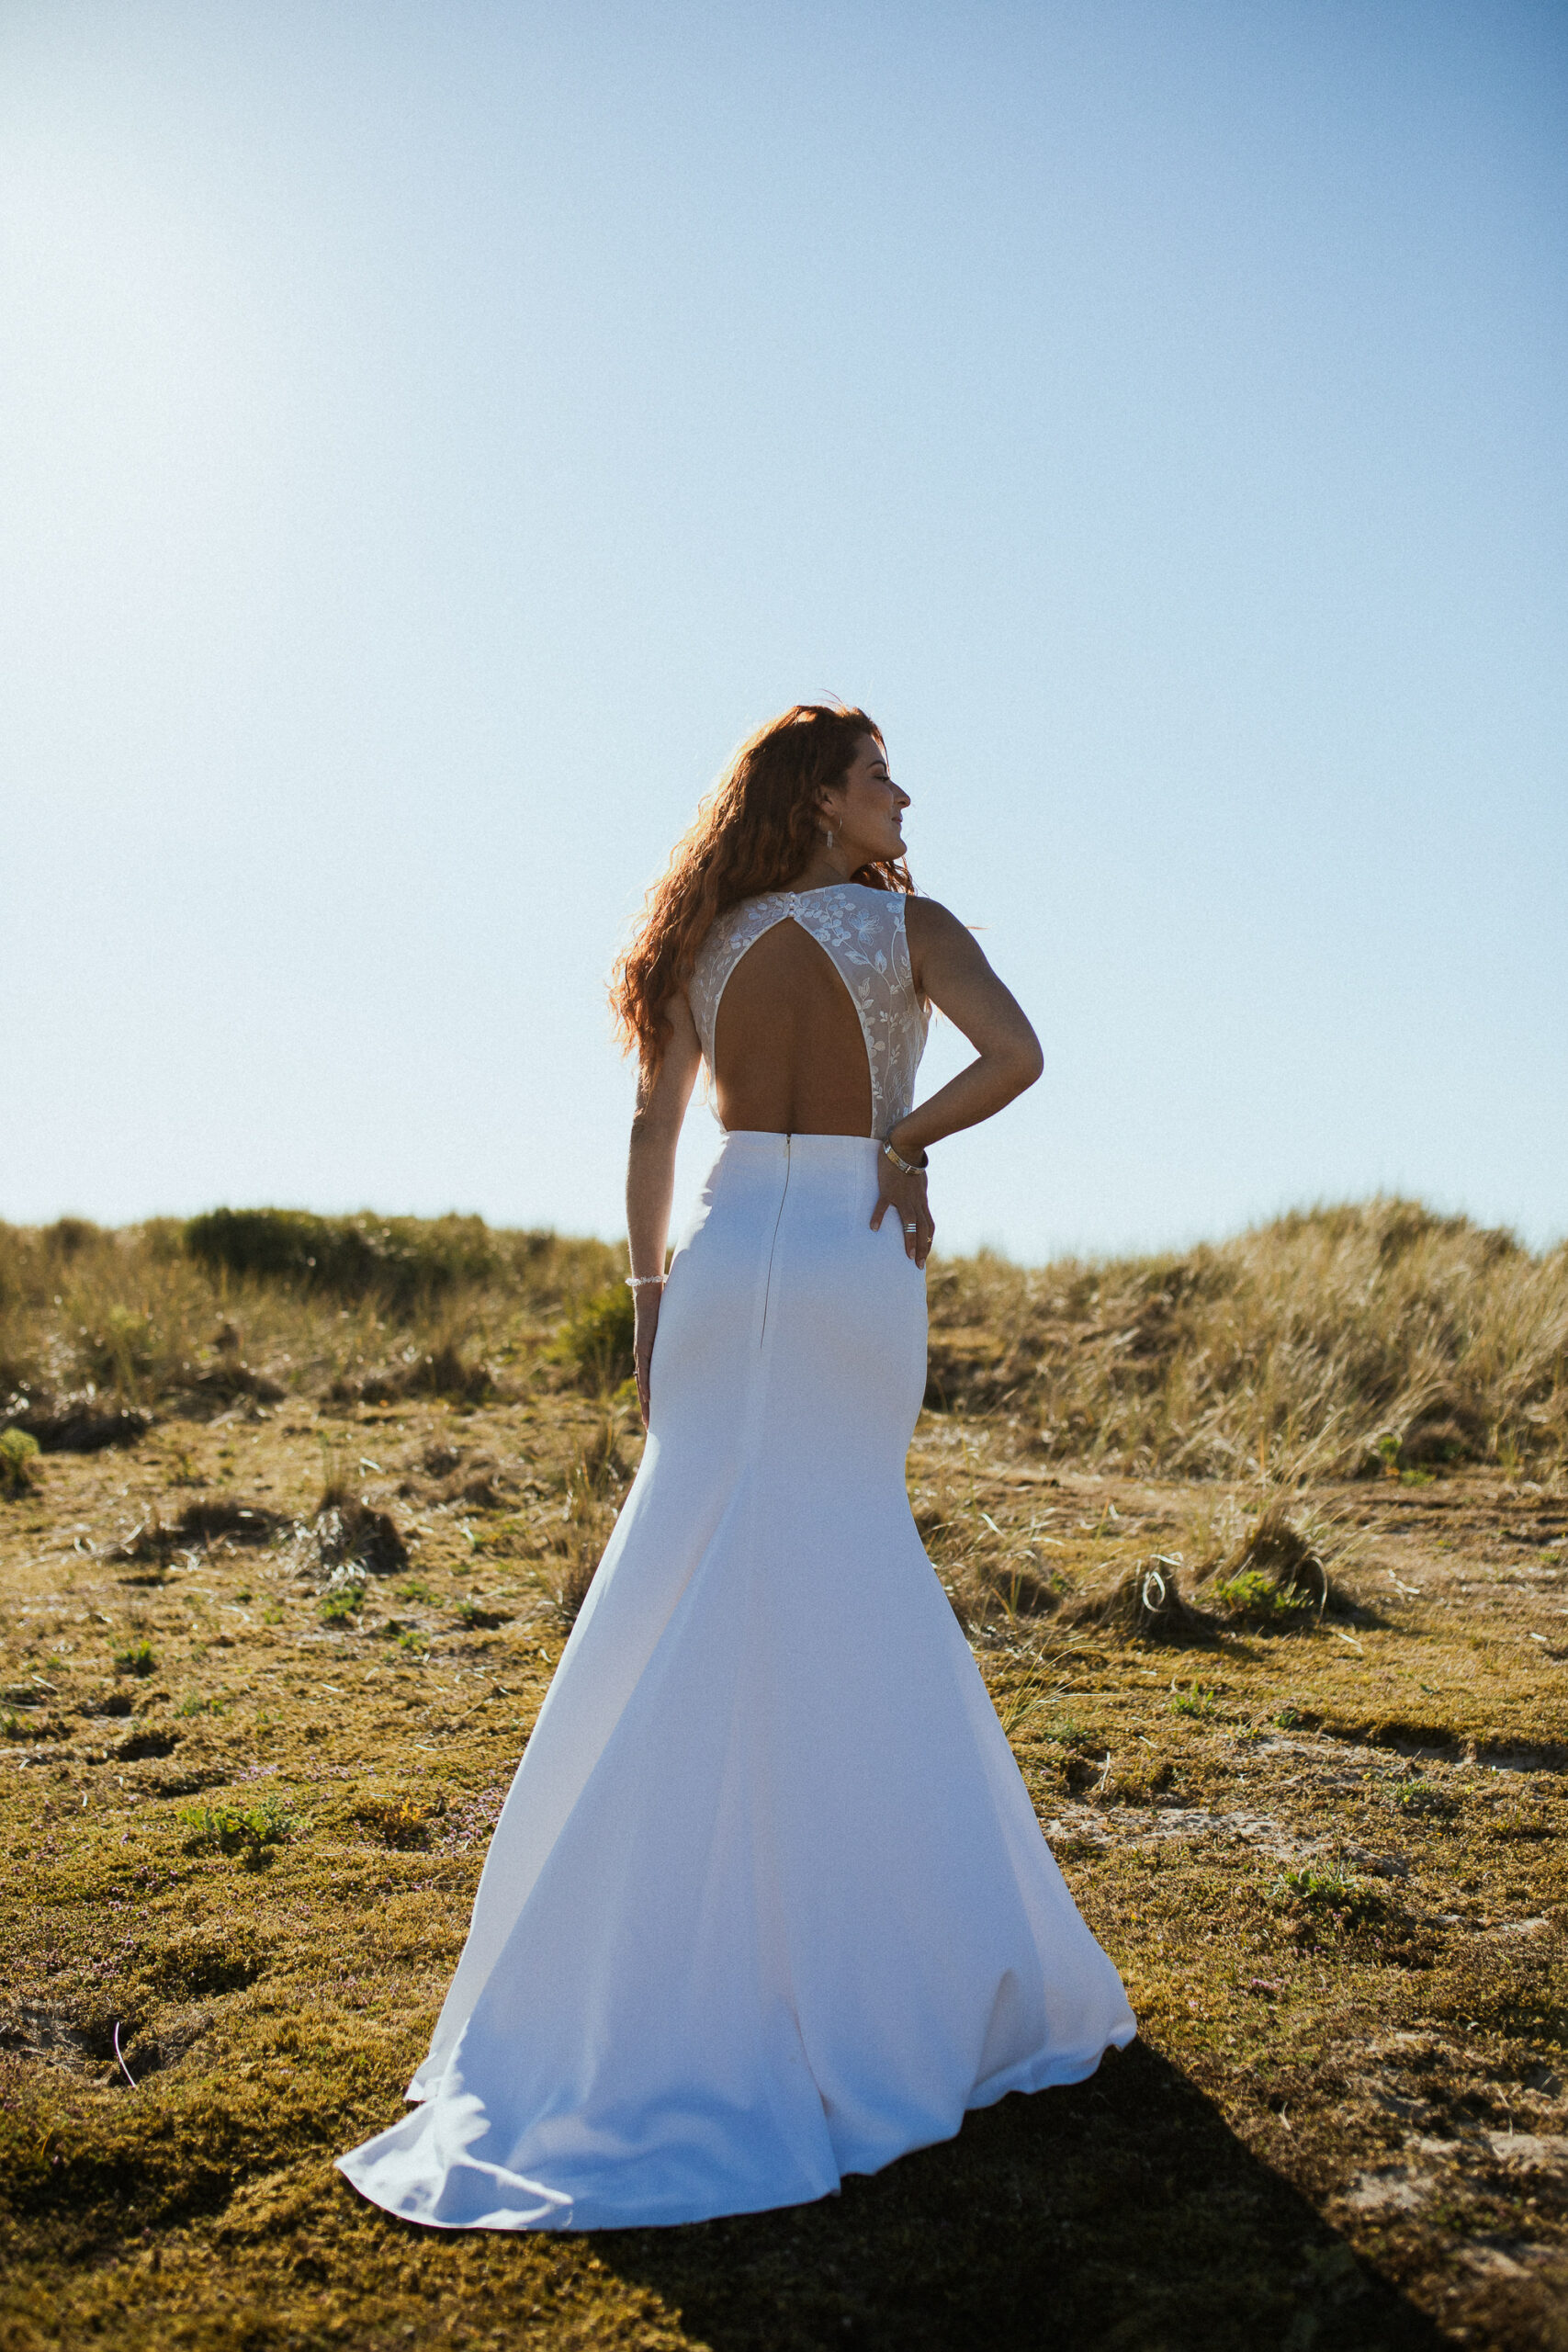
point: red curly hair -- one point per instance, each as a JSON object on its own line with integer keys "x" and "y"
{"x": 755, "y": 831}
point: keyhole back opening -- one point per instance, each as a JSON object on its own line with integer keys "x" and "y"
{"x": 790, "y": 1054}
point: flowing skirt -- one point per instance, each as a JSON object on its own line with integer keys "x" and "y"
{"x": 767, "y": 1902}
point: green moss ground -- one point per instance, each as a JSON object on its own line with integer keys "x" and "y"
{"x": 1329, "y": 1861}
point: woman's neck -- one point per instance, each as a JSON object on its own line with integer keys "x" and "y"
{"x": 827, "y": 867}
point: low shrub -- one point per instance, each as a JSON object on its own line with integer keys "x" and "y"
{"x": 18, "y": 1463}
{"x": 400, "y": 1259}
{"x": 403, "y": 1821}
{"x": 1257, "y": 1597}
{"x": 1421, "y": 1800}
{"x": 1329, "y": 1894}
{"x": 343, "y": 1598}
{"x": 1198, "y": 1702}
{"x": 596, "y": 1345}
{"x": 194, "y": 1704}
{"x": 249, "y": 1831}
{"x": 136, "y": 1657}
{"x": 1274, "y": 1576}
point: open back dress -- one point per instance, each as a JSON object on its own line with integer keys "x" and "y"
{"x": 767, "y": 1902}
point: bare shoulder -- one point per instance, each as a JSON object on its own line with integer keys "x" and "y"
{"x": 929, "y": 922}
{"x": 938, "y": 940}
{"x": 677, "y": 1012}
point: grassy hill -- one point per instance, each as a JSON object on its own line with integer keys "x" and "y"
{"x": 1262, "y": 1550}
{"x": 1337, "y": 1339}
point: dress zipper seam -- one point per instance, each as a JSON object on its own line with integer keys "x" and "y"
{"x": 773, "y": 1245}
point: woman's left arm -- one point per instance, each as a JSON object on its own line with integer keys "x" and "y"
{"x": 662, "y": 1102}
{"x": 951, "y": 970}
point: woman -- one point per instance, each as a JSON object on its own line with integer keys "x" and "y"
{"x": 768, "y": 1902}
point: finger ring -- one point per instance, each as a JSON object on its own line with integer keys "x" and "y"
{"x": 910, "y": 1226}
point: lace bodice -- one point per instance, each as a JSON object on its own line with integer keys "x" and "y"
{"x": 862, "y": 931}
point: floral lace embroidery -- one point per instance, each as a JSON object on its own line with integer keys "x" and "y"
{"x": 863, "y": 930}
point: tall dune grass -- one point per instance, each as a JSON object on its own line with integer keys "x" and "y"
{"x": 1332, "y": 1342}
{"x": 153, "y": 1312}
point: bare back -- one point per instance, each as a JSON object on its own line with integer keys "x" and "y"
{"x": 804, "y": 1009}
{"x": 789, "y": 1054}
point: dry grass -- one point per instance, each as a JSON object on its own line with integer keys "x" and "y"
{"x": 144, "y": 1321}
{"x": 1298, "y": 1741}
{"x": 1329, "y": 1343}
{"x": 1340, "y": 1343}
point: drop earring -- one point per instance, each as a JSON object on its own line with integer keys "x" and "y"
{"x": 827, "y": 835}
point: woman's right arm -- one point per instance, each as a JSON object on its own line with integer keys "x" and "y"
{"x": 949, "y": 968}
{"x": 651, "y": 1172}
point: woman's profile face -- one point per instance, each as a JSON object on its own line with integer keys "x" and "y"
{"x": 866, "y": 810}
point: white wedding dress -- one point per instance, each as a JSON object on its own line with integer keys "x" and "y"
{"x": 767, "y": 1903}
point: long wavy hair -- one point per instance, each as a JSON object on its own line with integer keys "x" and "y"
{"x": 755, "y": 831}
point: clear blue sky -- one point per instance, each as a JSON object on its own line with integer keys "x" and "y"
{"x": 432, "y": 435}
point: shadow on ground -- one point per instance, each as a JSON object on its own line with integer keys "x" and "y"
{"x": 1123, "y": 2213}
